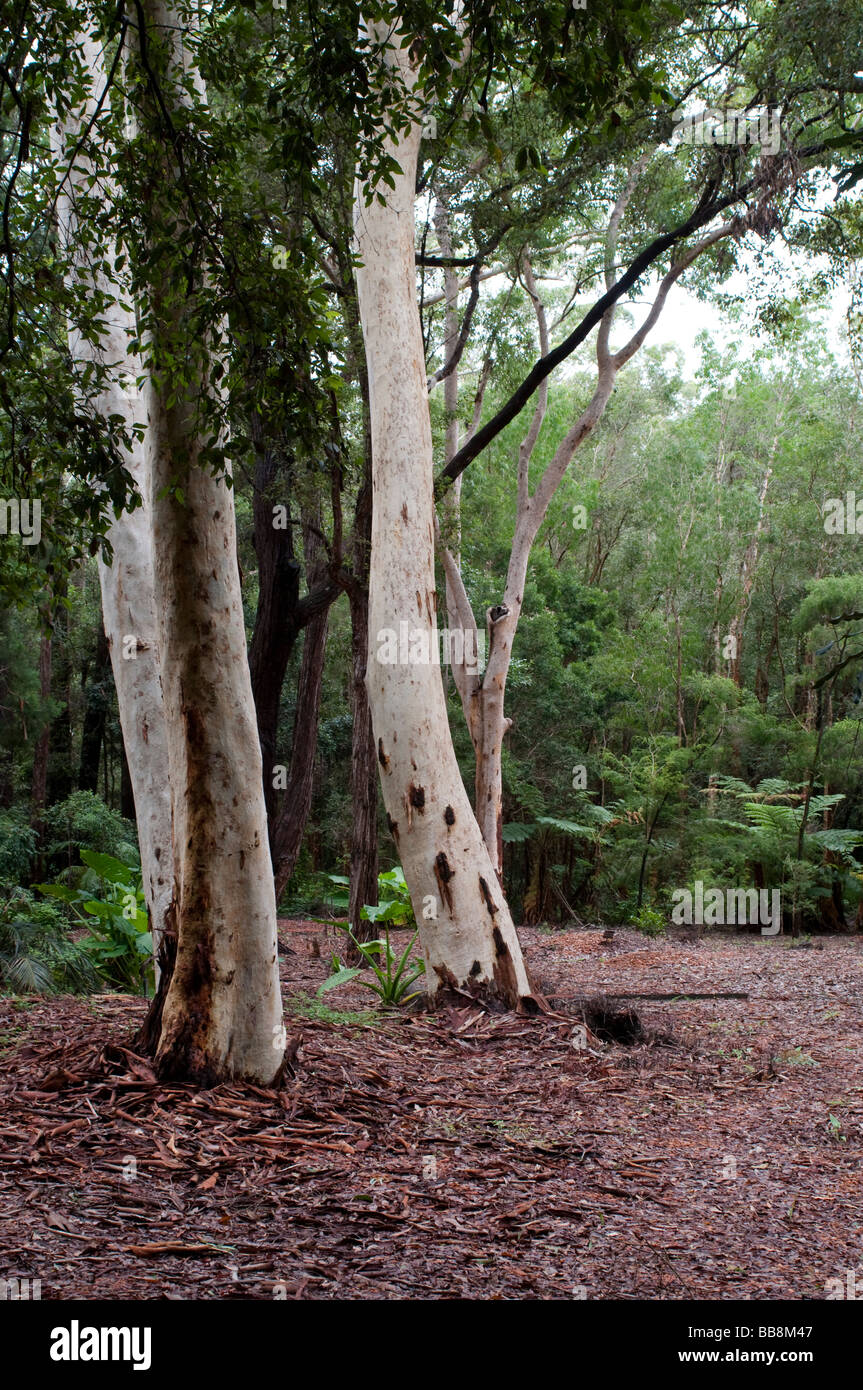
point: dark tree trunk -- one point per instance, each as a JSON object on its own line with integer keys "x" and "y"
{"x": 281, "y": 616}
{"x": 61, "y": 780}
{"x": 276, "y": 626}
{"x": 287, "y": 833}
{"x": 96, "y": 695}
{"x": 127, "y": 793}
{"x": 364, "y": 765}
{"x": 39, "y": 784}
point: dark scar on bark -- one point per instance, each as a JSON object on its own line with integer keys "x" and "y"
{"x": 504, "y": 969}
{"x": 488, "y": 900}
{"x": 404, "y": 511}
{"x": 475, "y": 968}
{"x": 443, "y": 873}
{"x": 446, "y": 977}
{"x": 417, "y": 797}
{"x": 449, "y": 816}
{"x": 419, "y": 601}
{"x": 392, "y": 826}
{"x": 382, "y": 757}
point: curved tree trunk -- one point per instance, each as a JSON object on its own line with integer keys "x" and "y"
{"x": 466, "y": 931}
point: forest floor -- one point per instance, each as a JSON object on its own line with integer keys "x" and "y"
{"x": 460, "y": 1154}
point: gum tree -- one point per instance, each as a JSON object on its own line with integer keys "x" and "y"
{"x": 425, "y": 65}
{"x": 121, "y": 392}
{"x": 222, "y": 1012}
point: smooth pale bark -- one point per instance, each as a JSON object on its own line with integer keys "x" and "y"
{"x": 466, "y": 932}
{"x": 222, "y": 1014}
{"x": 363, "y": 872}
{"x": 127, "y": 584}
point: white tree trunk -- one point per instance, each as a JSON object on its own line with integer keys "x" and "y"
{"x": 222, "y": 1013}
{"x": 466, "y": 931}
{"x": 127, "y": 584}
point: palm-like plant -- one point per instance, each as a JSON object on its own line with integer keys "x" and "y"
{"x": 36, "y": 955}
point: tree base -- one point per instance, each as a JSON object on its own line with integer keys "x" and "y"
{"x": 486, "y": 994}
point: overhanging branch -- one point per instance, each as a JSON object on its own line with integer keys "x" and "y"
{"x": 708, "y": 208}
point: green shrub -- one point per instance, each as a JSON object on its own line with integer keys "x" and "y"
{"x": 83, "y": 821}
{"x": 17, "y": 846}
{"x": 648, "y": 921}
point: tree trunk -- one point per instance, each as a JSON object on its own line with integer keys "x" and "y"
{"x": 364, "y": 775}
{"x": 222, "y": 1014}
{"x": 468, "y": 939}
{"x": 491, "y": 726}
{"x": 95, "y": 714}
{"x": 127, "y": 793}
{"x": 39, "y": 781}
{"x": 60, "y": 775}
{"x": 287, "y": 834}
{"x": 276, "y": 627}
{"x": 127, "y": 584}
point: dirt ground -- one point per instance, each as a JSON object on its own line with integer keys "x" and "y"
{"x": 460, "y": 1154}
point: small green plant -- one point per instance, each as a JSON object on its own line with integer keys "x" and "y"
{"x": 834, "y": 1128}
{"x": 794, "y": 1057}
{"x": 109, "y": 900}
{"x": 648, "y": 921}
{"x": 394, "y": 978}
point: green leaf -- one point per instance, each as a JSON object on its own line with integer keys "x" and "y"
{"x": 107, "y": 867}
{"x": 341, "y": 977}
{"x": 59, "y": 890}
